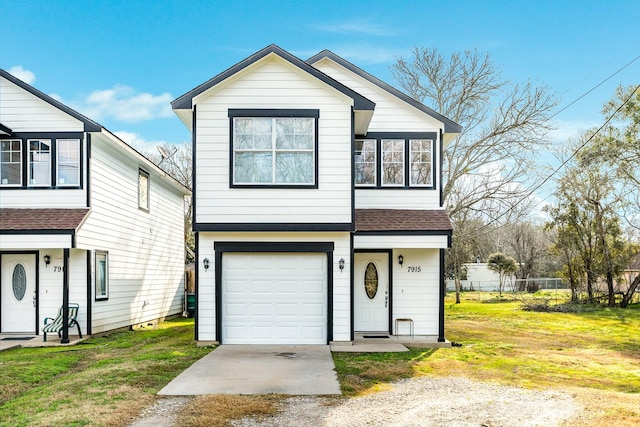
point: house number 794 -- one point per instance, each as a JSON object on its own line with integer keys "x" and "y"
{"x": 413, "y": 269}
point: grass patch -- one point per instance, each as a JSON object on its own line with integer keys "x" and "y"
{"x": 219, "y": 410}
{"x": 102, "y": 381}
{"x": 591, "y": 353}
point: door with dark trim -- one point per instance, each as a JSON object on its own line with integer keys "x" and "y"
{"x": 18, "y": 293}
{"x": 371, "y": 292}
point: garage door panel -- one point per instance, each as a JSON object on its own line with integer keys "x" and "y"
{"x": 270, "y": 298}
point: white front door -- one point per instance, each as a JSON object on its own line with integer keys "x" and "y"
{"x": 371, "y": 292}
{"x": 18, "y": 293}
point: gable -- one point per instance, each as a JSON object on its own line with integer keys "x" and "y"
{"x": 387, "y": 98}
{"x": 23, "y": 108}
{"x": 183, "y": 106}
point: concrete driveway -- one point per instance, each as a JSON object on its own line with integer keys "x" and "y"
{"x": 259, "y": 369}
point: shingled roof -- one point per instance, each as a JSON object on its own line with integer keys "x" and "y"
{"x": 402, "y": 220}
{"x": 41, "y": 219}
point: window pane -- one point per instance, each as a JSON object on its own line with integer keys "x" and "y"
{"x": 253, "y": 167}
{"x": 143, "y": 190}
{"x": 392, "y": 162}
{"x": 68, "y": 162}
{"x": 294, "y": 168}
{"x": 102, "y": 276}
{"x": 365, "y": 162}
{"x": 10, "y": 163}
{"x": 294, "y": 133}
{"x": 39, "y": 162}
{"x": 421, "y": 161}
{"x": 252, "y": 133}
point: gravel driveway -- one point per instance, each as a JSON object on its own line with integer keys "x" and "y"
{"x": 424, "y": 402}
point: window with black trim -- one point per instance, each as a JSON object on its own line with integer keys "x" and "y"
{"x": 102, "y": 275}
{"x": 11, "y": 163}
{"x": 143, "y": 190}
{"x": 268, "y": 150}
{"x": 68, "y": 162}
{"x": 395, "y": 162}
{"x": 39, "y": 168}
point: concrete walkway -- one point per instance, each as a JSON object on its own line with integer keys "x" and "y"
{"x": 259, "y": 369}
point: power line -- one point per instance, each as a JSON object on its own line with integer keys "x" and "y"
{"x": 575, "y": 152}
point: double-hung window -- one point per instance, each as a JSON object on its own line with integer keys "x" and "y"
{"x": 393, "y": 162}
{"x": 272, "y": 150}
{"x": 365, "y": 162}
{"x": 421, "y": 162}
{"x": 68, "y": 162}
{"x": 39, "y": 167}
{"x": 11, "y": 162}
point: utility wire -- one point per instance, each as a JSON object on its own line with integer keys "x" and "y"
{"x": 575, "y": 152}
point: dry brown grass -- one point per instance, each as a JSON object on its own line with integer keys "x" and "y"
{"x": 605, "y": 409}
{"x": 220, "y": 409}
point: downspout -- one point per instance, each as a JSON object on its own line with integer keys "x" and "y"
{"x": 65, "y": 297}
{"x": 442, "y": 295}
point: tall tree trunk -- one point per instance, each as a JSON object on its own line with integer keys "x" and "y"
{"x": 626, "y": 298}
{"x": 457, "y": 289}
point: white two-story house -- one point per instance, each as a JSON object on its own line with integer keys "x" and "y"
{"x": 317, "y": 203}
{"x": 84, "y": 219}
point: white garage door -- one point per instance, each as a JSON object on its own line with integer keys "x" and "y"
{"x": 274, "y": 298}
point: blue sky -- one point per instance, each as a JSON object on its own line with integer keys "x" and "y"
{"x": 122, "y": 62}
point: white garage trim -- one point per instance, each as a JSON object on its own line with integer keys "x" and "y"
{"x": 271, "y": 318}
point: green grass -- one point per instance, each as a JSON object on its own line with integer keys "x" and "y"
{"x": 101, "y": 381}
{"x": 596, "y": 352}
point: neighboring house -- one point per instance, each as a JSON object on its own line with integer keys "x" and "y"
{"x": 84, "y": 219}
{"x": 317, "y": 203}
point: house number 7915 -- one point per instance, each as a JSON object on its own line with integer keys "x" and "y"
{"x": 57, "y": 268}
{"x": 413, "y": 269}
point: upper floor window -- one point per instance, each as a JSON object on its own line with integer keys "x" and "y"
{"x": 365, "y": 162}
{"x": 268, "y": 150}
{"x": 11, "y": 162}
{"x": 68, "y": 162}
{"x": 395, "y": 160}
{"x": 143, "y": 190}
{"x": 39, "y": 168}
{"x": 421, "y": 161}
{"x": 392, "y": 162}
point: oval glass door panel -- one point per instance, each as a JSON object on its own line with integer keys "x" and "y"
{"x": 19, "y": 282}
{"x": 371, "y": 280}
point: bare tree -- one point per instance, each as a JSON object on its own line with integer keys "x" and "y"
{"x": 504, "y": 124}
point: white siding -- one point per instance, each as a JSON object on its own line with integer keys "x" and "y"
{"x": 341, "y": 280}
{"x": 146, "y": 252}
{"x": 397, "y": 199}
{"x": 394, "y": 241}
{"x": 23, "y": 112}
{"x": 416, "y": 295}
{"x": 273, "y": 83}
{"x": 51, "y": 284}
{"x": 391, "y": 115}
{"x": 28, "y": 241}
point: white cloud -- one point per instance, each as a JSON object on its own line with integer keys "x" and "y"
{"x": 146, "y": 147}
{"x": 565, "y": 130}
{"x": 358, "y": 26}
{"x": 124, "y": 104}
{"x": 366, "y": 54}
{"x": 25, "y": 75}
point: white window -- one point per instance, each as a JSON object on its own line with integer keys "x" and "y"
{"x": 393, "y": 162}
{"x": 143, "y": 190}
{"x": 421, "y": 162}
{"x": 365, "y": 162}
{"x": 11, "y": 163}
{"x": 102, "y": 275}
{"x": 68, "y": 162}
{"x": 274, "y": 151}
{"x": 39, "y": 167}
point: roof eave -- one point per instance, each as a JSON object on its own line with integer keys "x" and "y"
{"x": 89, "y": 125}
